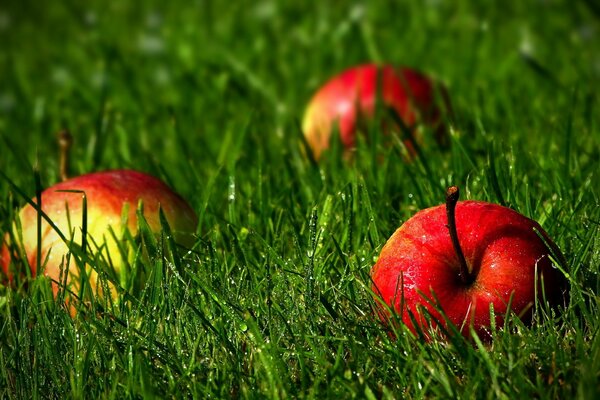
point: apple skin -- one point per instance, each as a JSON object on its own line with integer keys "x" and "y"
{"x": 352, "y": 95}
{"x": 107, "y": 194}
{"x": 506, "y": 257}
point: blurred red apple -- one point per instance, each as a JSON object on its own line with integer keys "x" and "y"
{"x": 112, "y": 200}
{"x": 501, "y": 258}
{"x": 353, "y": 95}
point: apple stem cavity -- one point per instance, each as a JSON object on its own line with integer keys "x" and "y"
{"x": 452, "y": 195}
{"x": 65, "y": 140}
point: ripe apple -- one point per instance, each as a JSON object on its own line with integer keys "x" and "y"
{"x": 353, "y": 95}
{"x": 112, "y": 200}
{"x": 462, "y": 258}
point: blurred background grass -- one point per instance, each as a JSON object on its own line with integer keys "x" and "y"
{"x": 209, "y": 95}
{"x": 119, "y": 74}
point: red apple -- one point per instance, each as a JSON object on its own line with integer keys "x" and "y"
{"x": 112, "y": 200}
{"x": 501, "y": 258}
{"x": 353, "y": 94}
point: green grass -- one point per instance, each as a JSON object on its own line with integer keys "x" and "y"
{"x": 275, "y": 300}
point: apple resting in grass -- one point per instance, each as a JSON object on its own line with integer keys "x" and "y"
{"x": 112, "y": 201}
{"x": 352, "y": 95}
{"x": 470, "y": 255}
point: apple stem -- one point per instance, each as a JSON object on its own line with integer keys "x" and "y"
{"x": 452, "y": 195}
{"x": 64, "y": 142}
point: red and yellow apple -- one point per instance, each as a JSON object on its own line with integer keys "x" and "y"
{"x": 112, "y": 201}
{"x": 353, "y": 95}
{"x": 501, "y": 258}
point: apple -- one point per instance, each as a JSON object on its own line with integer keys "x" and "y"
{"x": 112, "y": 201}
{"x": 463, "y": 258}
{"x": 353, "y": 94}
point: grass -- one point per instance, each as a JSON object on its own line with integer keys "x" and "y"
{"x": 275, "y": 300}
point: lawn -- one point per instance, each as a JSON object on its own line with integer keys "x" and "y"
{"x": 274, "y": 298}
